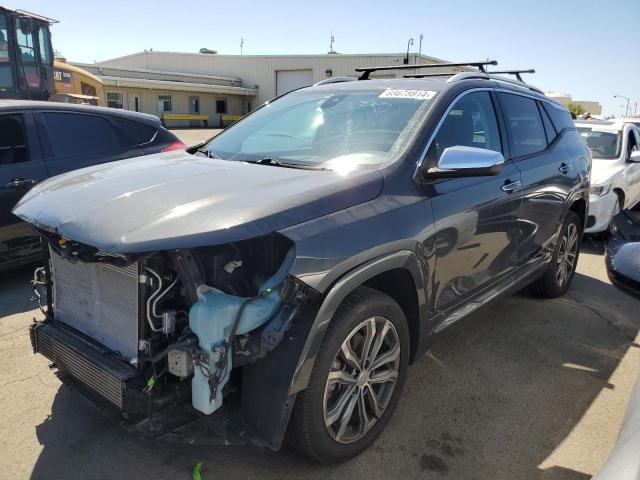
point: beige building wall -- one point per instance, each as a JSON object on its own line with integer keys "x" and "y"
{"x": 148, "y": 103}
{"x": 260, "y": 71}
{"x": 594, "y": 108}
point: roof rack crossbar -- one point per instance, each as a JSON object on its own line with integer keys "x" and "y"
{"x": 366, "y": 71}
{"x": 489, "y": 76}
{"x": 434, "y": 74}
{"x": 512, "y": 72}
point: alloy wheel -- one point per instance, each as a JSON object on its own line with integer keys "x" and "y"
{"x": 361, "y": 380}
{"x": 567, "y": 255}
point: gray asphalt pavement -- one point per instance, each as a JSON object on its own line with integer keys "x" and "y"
{"x": 525, "y": 389}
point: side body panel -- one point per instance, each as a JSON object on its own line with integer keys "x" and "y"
{"x": 477, "y": 233}
{"x": 550, "y": 180}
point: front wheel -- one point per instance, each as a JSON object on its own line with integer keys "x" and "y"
{"x": 611, "y": 228}
{"x": 560, "y": 272}
{"x": 356, "y": 380}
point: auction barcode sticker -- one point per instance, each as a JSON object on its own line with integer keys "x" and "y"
{"x": 415, "y": 94}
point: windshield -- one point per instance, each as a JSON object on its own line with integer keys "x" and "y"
{"x": 603, "y": 144}
{"x": 336, "y": 130}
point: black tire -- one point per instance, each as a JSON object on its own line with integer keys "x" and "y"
{"x": 307, "y": 432}
{"x": 548, "y": 286}
{"x": 611, "y": 229}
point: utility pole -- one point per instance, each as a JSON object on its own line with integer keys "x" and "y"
{"x": 420, "y": 45}
{"x": 331, "y": 40}
{"x": 241, "y": 45}
{"x": 409, "y": 43}
{"x": 626, "y": 114}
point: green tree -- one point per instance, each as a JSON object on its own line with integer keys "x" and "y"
{"x": 575, "y": 108}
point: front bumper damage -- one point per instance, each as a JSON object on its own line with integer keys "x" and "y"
{"x": 256, "y": 369}
{"x": 601, "y": 211}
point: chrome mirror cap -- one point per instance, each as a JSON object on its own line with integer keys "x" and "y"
{"x": 461, "y": 161}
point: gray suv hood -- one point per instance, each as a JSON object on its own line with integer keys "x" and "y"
{"x": 176, "y": 200}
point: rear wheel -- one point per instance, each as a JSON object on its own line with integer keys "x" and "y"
{"x": 560, "y": 272}
{"x": 356, "y": 380}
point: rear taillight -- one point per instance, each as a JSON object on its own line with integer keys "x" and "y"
{"x": 177, "y": 145}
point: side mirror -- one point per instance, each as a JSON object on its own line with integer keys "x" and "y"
{"x": 459, "y": 161}
{"x": 635, "y": 156}
{"x": 623, "y": 267}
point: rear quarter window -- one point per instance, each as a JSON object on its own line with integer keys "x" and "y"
{"x": 136, "y": 133}
{"x": 561, "y": 118}
{"x": 76, "y": 134}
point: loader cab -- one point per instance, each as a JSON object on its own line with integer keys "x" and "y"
{"x": 26, "y": 56}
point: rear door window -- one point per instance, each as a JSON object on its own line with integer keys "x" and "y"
{"x": 13, "y": 140}
{"x": 524, "y": 124}
{"x": 78, "y": 134}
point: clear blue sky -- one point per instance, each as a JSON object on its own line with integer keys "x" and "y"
{"x": 588, "y": 48}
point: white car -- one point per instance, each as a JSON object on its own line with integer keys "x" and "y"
{"x": 615, "y": 173}
{"x": 634, "y": 120}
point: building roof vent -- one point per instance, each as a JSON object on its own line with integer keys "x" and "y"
{"x": 210, "y": 52}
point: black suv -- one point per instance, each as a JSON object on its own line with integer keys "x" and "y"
{"x": 295, "y": 265}
{"x": 41, "y": 139}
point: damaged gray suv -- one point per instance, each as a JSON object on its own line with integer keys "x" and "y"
{"x": 277, "y": 282}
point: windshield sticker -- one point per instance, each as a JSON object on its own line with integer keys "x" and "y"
{"x": 414, "y": 94}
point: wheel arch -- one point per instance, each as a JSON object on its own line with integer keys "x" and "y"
{"x": 621, "y": 195}
{"x": 579, "y": 207}
{"x": 402, "y": 266}
{"x": 400, "y": 285}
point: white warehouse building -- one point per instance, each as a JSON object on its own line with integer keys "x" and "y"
{"x": 223, "y": 87}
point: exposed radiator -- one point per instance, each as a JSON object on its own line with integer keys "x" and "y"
{"x": 84, "y": 361}
{"x": 99, "y": 300}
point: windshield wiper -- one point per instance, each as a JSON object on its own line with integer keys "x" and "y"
{"x": 207, "y": 153}
{"x": 277, "y": 163}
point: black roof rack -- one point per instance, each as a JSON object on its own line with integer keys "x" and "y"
{"x": 512, "y": 72}
{"x": 366, "y": 71}
{"x": 434, "y": 74}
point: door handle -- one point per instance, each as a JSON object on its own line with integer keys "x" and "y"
{"x": 511, "y": 186}
{"x": 564, "y": 168}
{"x": 20, "y": 182}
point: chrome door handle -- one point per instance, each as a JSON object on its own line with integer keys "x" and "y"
{"x": 510, "y": 187}
{"x": 564, "y": 168}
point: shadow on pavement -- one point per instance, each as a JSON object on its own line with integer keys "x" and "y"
{"x": 493, "y": 398}
{"x": 16, "y": 291}
{"x": 593, "y": 244}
